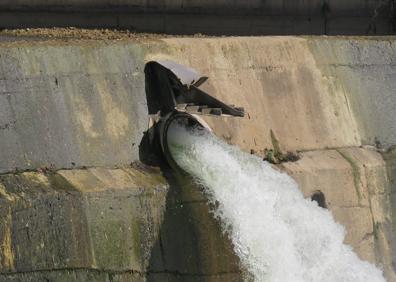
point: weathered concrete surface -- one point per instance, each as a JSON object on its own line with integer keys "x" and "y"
{"x": 304, "y": 89}
{"x": 101, "y": 224}
{"x": 82, "y": 103}
{"x": 192, "y": 245}
{"x": 91, "y": 219}
{"x": 218, "y": 17}
{"x": 357, "y": 191}
{"x": 300, "y": 6}
{"x": 366, "y": 70}
{"x": 390, "y": 158}
{"x": 277, "y": 81}
{"x": 71, "y": 106}
{"x": 102, "y": 276}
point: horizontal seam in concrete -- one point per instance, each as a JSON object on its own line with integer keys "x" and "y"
{"x": 131, "y": 271}
{"x": 70, "y": 74}
{"x": 117, "y": 272}
{"x": 336, "y": 148}
{"x": 177, "y": 273}
{"x": 83, "y": 167}
{"x": 193, "y": 11}
{"x": 349, "y": 207}
{"x": 358, "y": 67}
{"x": 54, "y": 171}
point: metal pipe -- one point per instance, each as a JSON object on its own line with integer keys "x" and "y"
{"x": 163, "y": 127}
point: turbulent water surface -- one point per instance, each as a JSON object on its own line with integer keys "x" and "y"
{"x": 278, "y": 235}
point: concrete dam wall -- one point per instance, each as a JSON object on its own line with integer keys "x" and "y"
{"x": 78, "y": 206}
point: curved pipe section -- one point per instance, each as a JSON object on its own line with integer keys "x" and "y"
{"x": 164, "y": 125}
{"x": 173, "y": 94}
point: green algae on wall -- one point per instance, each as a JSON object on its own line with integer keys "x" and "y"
{"x": 355, "y": 172}
{"x": 74, "y": 228}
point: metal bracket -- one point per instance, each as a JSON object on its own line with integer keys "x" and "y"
{"x": 171, "y": 86}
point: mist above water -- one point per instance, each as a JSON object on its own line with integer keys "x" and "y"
{"x": 278, "y": 235}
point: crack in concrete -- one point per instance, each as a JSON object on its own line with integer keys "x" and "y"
{"x": 358, "y": 66}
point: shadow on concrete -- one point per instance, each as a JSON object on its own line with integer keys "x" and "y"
{"x": 209, "y": 17}
{"x": 190, "y": 245}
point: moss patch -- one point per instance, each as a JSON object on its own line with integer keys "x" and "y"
{"x": 275, "y": 155}
{"x": 275, "y": 144}
{"x": 355, "y": 171}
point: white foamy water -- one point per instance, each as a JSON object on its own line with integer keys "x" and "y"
{"x": 278, "y": 235}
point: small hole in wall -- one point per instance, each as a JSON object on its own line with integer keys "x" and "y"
{"x": 319, "y": 197}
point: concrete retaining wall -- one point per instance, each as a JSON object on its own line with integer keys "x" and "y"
{"x": 83, "y": 104}
{"x": 218, "y": 17}
{"x": 71, "y": 106}
{"x": 67, "y": 105}
{"x": 298, "y": 6}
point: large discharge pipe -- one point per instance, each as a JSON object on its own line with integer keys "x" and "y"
{"x": 173, "y": 95}
{"x": 181, "y": 118}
